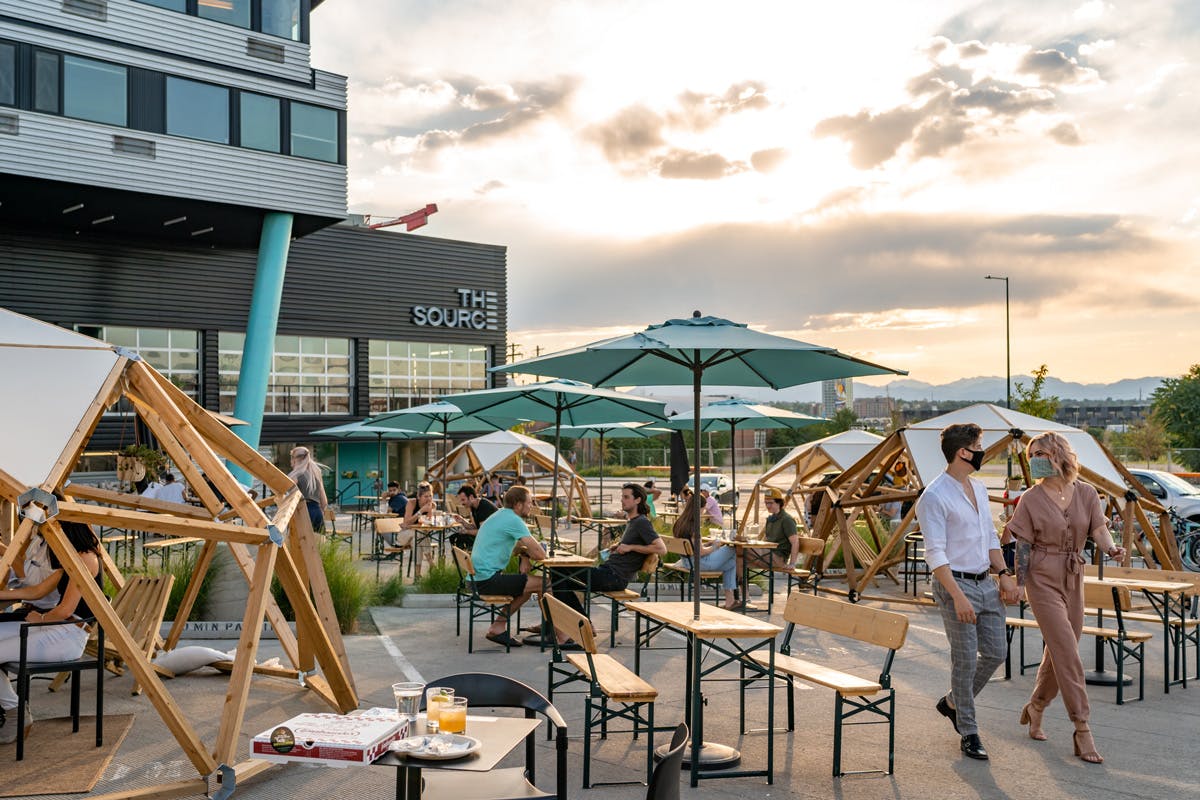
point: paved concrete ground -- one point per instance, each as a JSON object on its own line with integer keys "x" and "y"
{"x": 1150, "y": 746}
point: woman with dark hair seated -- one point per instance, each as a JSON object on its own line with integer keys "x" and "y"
{"x": 55, "y": 643}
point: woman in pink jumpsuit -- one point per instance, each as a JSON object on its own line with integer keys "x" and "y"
{"x": 1051, "y": 524}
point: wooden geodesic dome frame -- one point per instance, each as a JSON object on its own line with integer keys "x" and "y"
{"x": 475, "y": 459}
{"x": 860, "y": 490}
{"x": 46, "y": 424}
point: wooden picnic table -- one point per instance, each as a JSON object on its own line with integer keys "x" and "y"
{"x": 1166, "y": 598}
{"x": 736, "y": 637}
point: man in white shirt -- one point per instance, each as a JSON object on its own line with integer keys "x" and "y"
{"x": 962, "y": 549}
{"x": 171, "y": 490}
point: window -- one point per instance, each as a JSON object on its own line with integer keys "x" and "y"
{"x": 260, "y": 122}
{"x": 45, "y": 82}
{"x": 173, "y": 5}
{"x": 231, "y": 12}
{"x": 8, "y": 74}
{"x": 95, "y": 90}
{"x": 197, "y": 110}
{"x": 403, "y": 374}
{"x": 314, "y": 132}
{"x": 309, "y": 374}
{"x": 281, "y": 18}
{"x": 174, "y": 353}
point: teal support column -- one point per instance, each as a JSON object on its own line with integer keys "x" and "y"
{"x": 259, "y": 350}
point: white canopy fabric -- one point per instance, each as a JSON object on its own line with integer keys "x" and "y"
{"x": 840, "y": 450}
{"x": 52, "y": 376}
{"x": 923, "y": 439}
{"x": 493, "y": 449}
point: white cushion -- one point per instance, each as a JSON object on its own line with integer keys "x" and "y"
{"x": 182, "y": 660}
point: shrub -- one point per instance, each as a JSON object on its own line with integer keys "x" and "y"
{"x": 350, "y": 590}
{"x": 389, "y": 592}
{"x": 440, "y": 578}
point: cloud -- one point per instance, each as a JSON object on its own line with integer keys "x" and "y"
{"x": 467, "y": 112}
{"x": 698, "y": 166}
{"x": 630, "y": 134}
{"x": 1054, "y": 67}
{"x": 1066, "y": 133}
{"x": 768, "y": 160}
{"x": 491, "y": 186}
{"x": 953, "y": 102}
{"x": 640, "y": 138}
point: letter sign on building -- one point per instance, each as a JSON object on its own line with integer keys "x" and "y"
{"x": 476, "y": 310}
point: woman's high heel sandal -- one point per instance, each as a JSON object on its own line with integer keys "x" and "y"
{"x": 1085, "y": 747}
{"x": 1032, "y": 717}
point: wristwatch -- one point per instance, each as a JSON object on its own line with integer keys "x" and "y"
{"x": 1005, "y": 571}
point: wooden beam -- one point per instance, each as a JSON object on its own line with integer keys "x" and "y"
{"x": 224, "y": 441}
{"x": 203, "y": 562}
{"x": 284, "y": 511}
{"x": 271, "y": 672}
{"x": 166, "y": 437}
{"x": 314, "y": 572}
{"x": 283, "y": 631}
{"x": 160, "y": 791}
{"x": 1161, "y": 551}
{"x": 135, "y": 501}
{"x": 234, "y": 711}
{"x": 116, "y": 633}
{"x": 143, "y": 380}
{"x": 331, "y": 665}
{"x": 160, "y": 523}
{"x": 10, "y": 487}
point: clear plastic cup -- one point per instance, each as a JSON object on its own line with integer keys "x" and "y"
{"x": 408, "y": 699}
{"x": 453, "y": 717}
{"x": 435, "y": 698}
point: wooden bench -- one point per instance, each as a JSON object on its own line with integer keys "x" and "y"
{"x": 478, "y": 605}
{"x": 683, "y": 549}
{"x": 801, "y": 577}
{"x": 618, "y": 599}
{"x": 854, "y": 694}
{"x": 162, "y": 547}
{"x": 1182, "y": 628}
{"x": 1124, "y": 644}
{"x": 614, "y": 691}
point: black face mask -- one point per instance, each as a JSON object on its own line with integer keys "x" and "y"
{"x": 976, "y": 459}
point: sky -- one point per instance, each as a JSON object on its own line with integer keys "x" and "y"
{"x": 843, "y": 173}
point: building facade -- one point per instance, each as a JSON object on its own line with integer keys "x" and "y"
{"x": 148, "y": 151}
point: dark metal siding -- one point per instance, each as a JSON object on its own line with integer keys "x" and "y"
{"x": 341, "y": 282}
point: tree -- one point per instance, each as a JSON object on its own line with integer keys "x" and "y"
{"x": 1030, "y": 401}
{"x": 1176, "y": 405}
{"x": 1148, "y": 439}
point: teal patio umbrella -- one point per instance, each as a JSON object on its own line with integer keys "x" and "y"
{"x": 613, "y": 430}
{"x": 440, "y": 416}
{"x": 736, "y": 414}
{"x": 362, "y": 430}
{"x": 562, "y": 402}
{"x": 699, "y": 351}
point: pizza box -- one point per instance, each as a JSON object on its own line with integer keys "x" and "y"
{"x": 331, "y": 740}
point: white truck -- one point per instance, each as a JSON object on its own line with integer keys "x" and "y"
{"x": 1171, "y": 491}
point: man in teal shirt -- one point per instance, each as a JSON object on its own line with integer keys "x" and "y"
{"x": 498, "y": 536}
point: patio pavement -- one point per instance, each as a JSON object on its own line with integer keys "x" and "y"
{"x": 1149, "y": 746}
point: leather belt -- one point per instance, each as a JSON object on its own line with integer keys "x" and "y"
{"x": 1074, "y": 558}
{"x": 970, "y": 576}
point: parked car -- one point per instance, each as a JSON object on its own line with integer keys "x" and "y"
{"x": 1171, "y": 491}
{"x": 718, "y": 483}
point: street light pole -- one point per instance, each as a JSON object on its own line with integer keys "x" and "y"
{"x": 1007, "y": 354}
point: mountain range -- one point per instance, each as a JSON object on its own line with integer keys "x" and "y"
{"x": 977, "y": 389}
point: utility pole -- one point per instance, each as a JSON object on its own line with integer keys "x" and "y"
{"x": 1007, "y": 354}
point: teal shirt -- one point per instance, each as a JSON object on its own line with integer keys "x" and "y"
{"x": 494, "y": 544}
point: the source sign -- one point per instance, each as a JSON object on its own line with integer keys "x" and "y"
{"x": 476, "y": 310}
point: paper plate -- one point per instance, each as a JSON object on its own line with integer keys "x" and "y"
{"x": 436, "y": 747}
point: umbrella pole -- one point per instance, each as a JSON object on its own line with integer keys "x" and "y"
{"x": 601, "y": 431}
{"x": 697, "y": 372}
{"x": 379, "y": 458}
{"x": 554, "y": 482}
{"x": 733, "y": 470}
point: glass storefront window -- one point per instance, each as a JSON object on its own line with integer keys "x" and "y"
{"x": 45, "y": 82}
{"x": 281, "y": 18}
{"x": 309, "y": 375}
{"x": 260, "y": 122}
{"x": 8, "y": 74}
{"x": 231, "y": 12}
{"x": 197, "y": 110}
{"x": 173, "y": 352}
{"x": 403, "y": 374}
{"x": 314, "y": 132}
